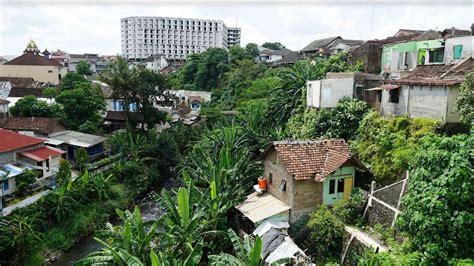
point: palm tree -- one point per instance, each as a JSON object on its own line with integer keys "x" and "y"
{"x": 127, "y": 244}
{"x": 123, "y": 79}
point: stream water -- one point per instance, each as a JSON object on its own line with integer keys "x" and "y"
{"x": 150, "y": 211}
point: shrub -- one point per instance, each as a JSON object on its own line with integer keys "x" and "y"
{"x": 64, "y": 173}
{"x": 350, "y": 211}
{"x": 57, "y": 239}
{"x": 326, "y": 230}
{"x": 388, "y": 146}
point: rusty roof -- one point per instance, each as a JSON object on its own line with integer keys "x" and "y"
{"x": 116, "y": 115}
{"x": 42, "y": 125}
{"x": 312, "y": 159}
{"x": 439, "y": 74}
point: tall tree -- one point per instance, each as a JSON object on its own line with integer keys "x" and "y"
{"x": 123, "y": 79}
{"x": 213, "y": 63}
{"x": 237, "y": 53}
{"x": 84, "y": 68}
{"x": 71, "y": 80}
{"x": 151, "y": 86}
{"x": 251, "y": 49}
{"x": 82, "y": 107}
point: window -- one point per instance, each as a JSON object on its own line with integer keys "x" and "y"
{"x": 282, "y": 186}
{"x": 394, "y": 95}
{"x": 270, "y": 178}
{"x": 332, "y": 186}
{"x": 340, "y": 185}
{"x": 6, "y": 185}
{"x": 47, "y": 165}
{"x": 457, "y": 52}
{"x": 50, "y": 71}
{"x": 436, "y": 55}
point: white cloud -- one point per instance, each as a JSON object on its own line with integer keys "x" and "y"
{"x": 95, "y": 27}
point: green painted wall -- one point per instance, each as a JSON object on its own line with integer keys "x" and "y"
{"x": 408, "y": 47}
{"x": 343, "y": 172}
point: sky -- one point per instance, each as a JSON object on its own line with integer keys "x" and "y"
{"x": 95, "y": 27}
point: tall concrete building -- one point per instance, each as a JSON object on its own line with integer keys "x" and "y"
{"x": 175, "y": 38}
{"x": 233, "y": 36}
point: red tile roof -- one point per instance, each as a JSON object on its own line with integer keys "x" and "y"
{"x": 194, "y": 99}
{"x": 42, "y": 153}
{"x": 10, "y": 141}
{"x": 32, "y": 59}
{"x": 312, "y": 159}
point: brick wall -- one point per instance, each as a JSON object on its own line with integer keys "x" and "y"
{"x": 279, "y": 173}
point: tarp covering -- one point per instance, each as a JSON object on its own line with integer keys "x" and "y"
{"x": 267, "y": 225}
{"x": 271, "y": 240}
{"x": 287, "y": 249}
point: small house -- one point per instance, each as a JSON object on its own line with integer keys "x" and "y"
{"x": 327, "y": 92}
{"x": 302, "y": 175}
{"x": 70, "y": 141}
{"x": 430, "y": 91}
{"x": 19, "y": 153}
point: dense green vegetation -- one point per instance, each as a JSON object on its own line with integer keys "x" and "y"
{"x": 438, "y": 211}
{"x": 30, "y": 106}
{"x": 388, "y": 146}
{"x": 215, "y": 163}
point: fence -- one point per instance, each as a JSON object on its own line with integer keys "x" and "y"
{"x": 383, "y": 204}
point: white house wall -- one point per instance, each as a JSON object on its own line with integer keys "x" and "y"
{"x": 332, "y": 90}
{"x": 418, "y": 102}
{"x": 313, "y": 91}
{"x": 467, "y": 48}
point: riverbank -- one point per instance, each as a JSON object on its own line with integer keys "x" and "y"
{"x": 150, "y": 211}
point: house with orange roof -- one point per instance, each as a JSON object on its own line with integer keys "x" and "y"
{"x": 299, "y": 176}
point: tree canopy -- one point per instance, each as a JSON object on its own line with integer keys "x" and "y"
{"x": 30, "y": 106}
{"x": 84, "y": 68}
{"x": 82, "y": 107}
{"x": 273, "y": 45}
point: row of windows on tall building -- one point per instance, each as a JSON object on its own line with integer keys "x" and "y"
{"x": 169, "y": 21}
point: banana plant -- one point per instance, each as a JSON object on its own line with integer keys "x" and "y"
{"x": 127, "y": 244}
{"x": 247, "y": 252}
{"x": 192, "y": 259}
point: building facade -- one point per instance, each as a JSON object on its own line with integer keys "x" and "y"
{"x": 176, "y": 38}
{"x": 33, "y": 64}
{"x": 233, "y": 34}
